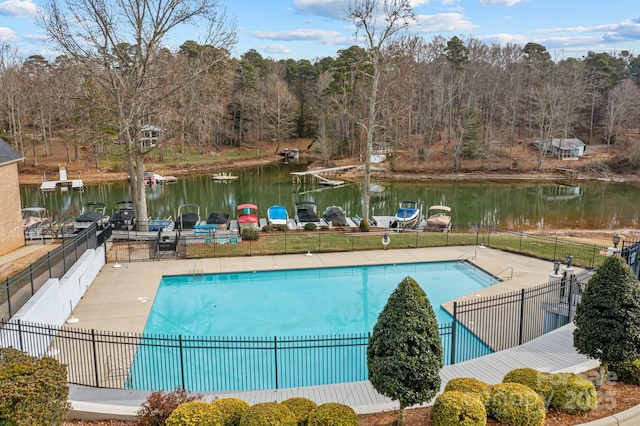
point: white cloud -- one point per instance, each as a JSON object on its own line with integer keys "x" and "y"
{"x": 18, "y": 8}
{"x": 7, "y": 34}
{"x": 275, "y": 48}
{"x": 334, "y": 9}
{"x": 293, "y": 35}
{"x": 444, "y": 22}
{"x": 504, "y": 2}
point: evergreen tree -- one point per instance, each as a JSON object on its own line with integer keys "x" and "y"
{"x": 404, "y": 356}
{"x": 608, "y": 318}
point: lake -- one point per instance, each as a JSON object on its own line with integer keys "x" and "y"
{"x": 520, "y": 205}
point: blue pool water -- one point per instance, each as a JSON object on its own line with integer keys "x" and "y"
{"x": 271, "y": 310}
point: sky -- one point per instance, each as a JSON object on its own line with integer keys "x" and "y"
{"x": 313, "y": 29}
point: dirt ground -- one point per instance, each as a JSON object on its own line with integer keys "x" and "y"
{"x": 612, "y": 398}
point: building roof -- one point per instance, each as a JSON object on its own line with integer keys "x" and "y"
{"x": 8, "y": 155}
{"x": 567, "y": 143}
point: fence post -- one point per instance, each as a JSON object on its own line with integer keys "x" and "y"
{"x": 6, "y": 283}
{"x": 275, "y": 358}
{"x": 452, "y": 360}
{"x": 285, "y": 241}
{"x": 555, "y": 249}
{"x": 416, "y": 238}
{"x": 477, "y": 234}
{"x": 49, "y": 261}
{"x": 569, "y": 301}
{"x": 521, "y": 331}
{"x": 20, "y": 336}
{"x": 33, "y": 291}
{"x": 181, "y": 362}
{"x": 520, "y": 243}
{"x": 95, "y": 356}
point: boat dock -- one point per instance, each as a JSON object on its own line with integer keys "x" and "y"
{"x": 315, "y": 176}
{"x": 63, "y": 182}
{"x": 223, "y": 177}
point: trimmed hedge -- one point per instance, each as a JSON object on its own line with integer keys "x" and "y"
{"x": 453, "y": 408}
{"x": 230, "y": 409}
{"x": 627, "y": 372}
{"x": 194, "y": 413}
{"x": 32, "y": 391}
{"x": 536, "y": 380}
{"x": 516, "y": 405}
{"x": 301, "y": 408}
{"x": 333, "y": 414}
{"x": 470, "y": 386}
{"x": 268, "y": 414}
{"x": 573, "y": 394}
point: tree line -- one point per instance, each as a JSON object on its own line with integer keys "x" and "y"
{"x": 466, "y": 93}
{"x": 114, "y": 76}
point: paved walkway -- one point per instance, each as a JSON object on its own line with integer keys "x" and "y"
{"x": 121, "y": 297}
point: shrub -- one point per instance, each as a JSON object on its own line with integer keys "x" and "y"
{"x": 267, "y": 228}
{"x": 333, "y": 414}
{"x": 301, "y": 408}
{"x": 249, "y": 234}
{"x": 159, "y": 406}
{"x": 573, "y": 394}
{"x": 282, "y": 227}
{"x": 310, "y": 226}
{"x": 267, "y": 414}
{"x": 324, "y": 227}
{"x": 364, "y": 225}
{"x": 32, "y": 391}
{"x": 194, "y": 413}
{"x": 230, "y": 409}
{"x": 536, "y": 380}
{"x": 452, "y": 408}
{"x": 470, "y": 386}
{"x": 516, "y": 405}
{"x": 628, "y": 372}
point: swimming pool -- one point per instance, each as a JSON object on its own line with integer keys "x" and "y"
{"x": 271, "y": 311}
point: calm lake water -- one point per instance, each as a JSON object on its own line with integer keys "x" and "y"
{"x": 513, "y": 205}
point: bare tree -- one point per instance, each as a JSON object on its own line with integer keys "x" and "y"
{"x": 365, "y": 14}
{"x": 622, "y": 108}
{"x": 118, "y": 43}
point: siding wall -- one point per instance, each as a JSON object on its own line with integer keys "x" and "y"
{"x": 11, "y": 232}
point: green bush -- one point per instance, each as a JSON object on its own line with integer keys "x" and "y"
{"x": 282, "y": 227}
{"x": 231, "y": 410}
{"x": 32, "y": 391}
{"x": 324, "y": 227}
{"x": 516, "y": 405}
{"x": 267, "y": 228}
{"x": 310, "y": 226}
{"x": 470, "y": 386}
{"x": 536, "y": 380}
{"x": 627, "y": 372}
{"x": 364, "y": 225}
{"x": 159, "y": 406}
{"x": 333, "y": 414}
{"x": 249, "y": 234}
{"x": 573, "y": 394}
{"x": 301, "y": 408}
{"x": 268, "y": 414}
{"x": 452, "y": 408}
{"x": 194, "y": 413}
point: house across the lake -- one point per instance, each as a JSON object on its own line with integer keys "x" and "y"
{"x": 564, "y": 149}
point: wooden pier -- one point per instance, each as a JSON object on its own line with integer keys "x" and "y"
{"x": 316, "y": 176}
{"x": 63, "y": 182}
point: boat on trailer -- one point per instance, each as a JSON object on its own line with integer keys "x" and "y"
{"x": 306, "y": 213}
{"x": 124, "y": 217}
{"x": 439, "y": 218}
{"x": 248, "y": 216}
{"x": 335, "y": 216}
{"x": 35, "y": 221}
{"x": 407, "y": 215}
{"x": 220, "y": 219}
{"x": 188, "y": 216}
{"x": 91, "y": 213}
{"x": 277, "y": 215}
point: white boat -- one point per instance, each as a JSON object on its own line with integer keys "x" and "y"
{"x": 306, "y": 212}
{"x": 439, "y": 218}
{"x": 407, "y": 215}
{"x": 35, "y": 221}
{"x": 277, "y": 215}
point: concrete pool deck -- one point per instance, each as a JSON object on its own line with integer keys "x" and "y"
{"x": 121, "y": 296}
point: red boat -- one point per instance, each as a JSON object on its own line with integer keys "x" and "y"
{"x": 248, "y": 216}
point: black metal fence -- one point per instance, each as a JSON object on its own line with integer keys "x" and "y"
{"x": 16, "y": 290}
{"x": 132, "y": 246}
{"x": 148, "y": 362}
{"x": 136, "y": 361}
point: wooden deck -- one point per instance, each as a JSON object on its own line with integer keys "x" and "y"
{"x": 551, "y": 352}
{"x": 52, "y": 185}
